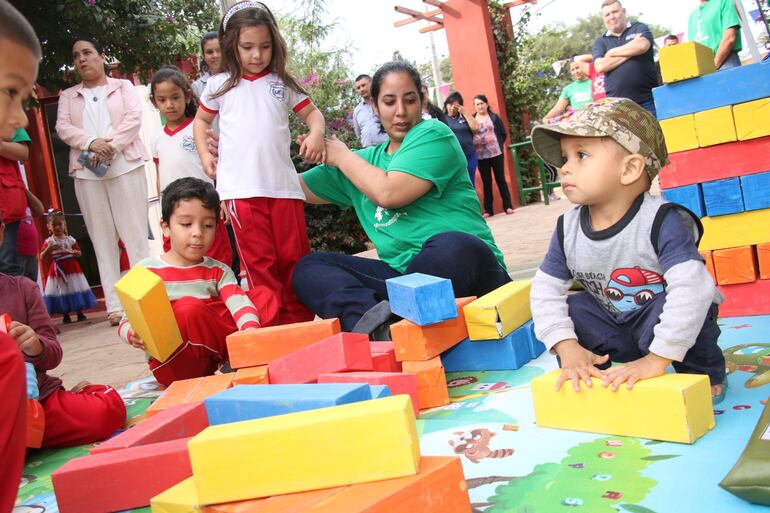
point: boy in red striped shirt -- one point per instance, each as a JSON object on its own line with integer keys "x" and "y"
{"x": 208, "y": 303}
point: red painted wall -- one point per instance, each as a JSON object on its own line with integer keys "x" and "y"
{"x": 476, "y": 70}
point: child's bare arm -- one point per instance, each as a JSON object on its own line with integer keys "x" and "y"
{"x": 201, "y": 125}
{"x": 313, "y": 147}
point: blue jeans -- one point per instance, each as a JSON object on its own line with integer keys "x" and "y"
{"x": 649, "y": 106}
{"x": 346, "y": 286}
{"x": 472, "y": 164}
{"x": 732, "y": 61}
{"x": 8, "y": 254}
{"x": 629, "y": 339}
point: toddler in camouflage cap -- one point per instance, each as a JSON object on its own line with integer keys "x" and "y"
{"x": 649, "y": 300}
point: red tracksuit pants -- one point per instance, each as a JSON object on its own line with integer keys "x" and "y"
{"x": 77, "y": 418}
{"x": 219, "y": 250}
{"x": 204, "y": 328}
{"x": 13, "y": 419}
{"x": 271, "y": 237}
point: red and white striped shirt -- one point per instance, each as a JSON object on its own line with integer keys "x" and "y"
{"x": 208, "y": 281}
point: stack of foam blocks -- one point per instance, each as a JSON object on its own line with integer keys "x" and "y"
{"x": 717, "y": 130}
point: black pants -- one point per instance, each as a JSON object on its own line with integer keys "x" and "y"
{"x": 486, "y": 166}
{"x": 599, "y": 332}
{"x": 346, "y": 286}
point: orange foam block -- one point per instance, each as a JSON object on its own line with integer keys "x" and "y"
{"x": 180, "y": 421}
{"x": 439, "y": 487}
{"x": 746, "y": 299}
{"x": 120, "y": 480}
{"x": 708, "y": 257}
{"x": 398, "y": 383}
{"x": 384, "y": 357}
{"x": 252, "y": 376}
{"x": 413, "y": 342}
{"x": 735, "y": 265}
{"x": 342, "y": 352}
{"x": 431, "y": 382}
{"x": 261, "y": 346}
{"x": 763, "y": 259}
{"x": 193, "y": 390}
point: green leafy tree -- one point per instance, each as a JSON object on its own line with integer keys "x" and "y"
{"x": 141, "y": 35}
{"x": 596, "y": 477}
{"x": 328, "y": 80}
{"x": 445, "y": 69}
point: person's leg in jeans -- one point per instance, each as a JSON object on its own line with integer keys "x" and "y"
{"x": 473, "y": 163}
{"x": 463, "y": 258}
{"x": 485, "y": 170}
{"x": 343, "y": 286}
{"x": 498, "y": 166}
{"x": 597, "y": 330}
{"x": 8, "y": 255}
{"x": 732, "y": 61}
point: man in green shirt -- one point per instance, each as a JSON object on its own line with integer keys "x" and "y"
{"x": 715, "y": 23}
{"x": 575, "y": 96}
{"x": 415, "y": 201}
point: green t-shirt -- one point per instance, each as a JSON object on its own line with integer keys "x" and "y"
{"x": 429, "y": 151}
{"x": 21, "y": 136}
{"x": 709, "y": 21}
{"x": 578, "y": 94}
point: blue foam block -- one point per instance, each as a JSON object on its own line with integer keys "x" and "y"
{"x": 508, "y": 353}
{"x": 421, "y": 298}
{"x": 536, "y": 347}
{"x": 245, "y": 402}
{"x": 723, "y": 197}
{"x": 689, "y": 196}
{"x": 379, "y": 391}
{"x": 756, "y": 191}
{"x": 729, "y": 87}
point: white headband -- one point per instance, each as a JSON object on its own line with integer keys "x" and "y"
{"x": 239, "y": 7}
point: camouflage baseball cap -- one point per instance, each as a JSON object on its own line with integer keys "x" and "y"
{"x": 620, "y": 119}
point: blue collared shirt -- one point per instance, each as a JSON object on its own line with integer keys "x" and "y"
{"x": 367, "y": 125}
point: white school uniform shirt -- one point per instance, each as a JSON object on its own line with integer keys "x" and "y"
{"x": 254, "y": 137}
{"x": 175, "y": 155}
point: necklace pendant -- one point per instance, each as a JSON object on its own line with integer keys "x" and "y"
{"x": 96, "y": 99}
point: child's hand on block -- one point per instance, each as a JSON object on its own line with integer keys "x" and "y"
{"x": 135, "y": 341}
{"x": 577, "y": 363}
{"x": 26, "y": 339}
{"x": 645, "y": 367}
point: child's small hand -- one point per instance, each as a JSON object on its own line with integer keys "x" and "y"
{"x": 26, "y": 339}
{"x": 646, "y": 367}
{"x": 209, "y": 163}
{"x": 224, "y": 214}
{"x": 577, "y": 363}
{"x": 313, "y": 149}
{"x": 135, "y": 341}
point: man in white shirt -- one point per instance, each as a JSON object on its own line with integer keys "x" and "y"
{"x": 365, "y": 121}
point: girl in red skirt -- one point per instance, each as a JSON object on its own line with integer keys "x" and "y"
{"x": 66, "y": 288}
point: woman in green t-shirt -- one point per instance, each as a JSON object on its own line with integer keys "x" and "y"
{"x": 413, "y": 198}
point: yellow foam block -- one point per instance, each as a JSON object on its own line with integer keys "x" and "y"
{"x": 498, "y": 313}
{"x": 715, "y": 126}
{"x": 680, "y": 133}
{"x": 672, "y": 407}
{"x": 752, "y": 119}
{"x": 310, "y": 450}
{"x": 733, "y": 230}
{"x": 686, "y": 60}
{"x": 180, "y": 498}
{"x": 146, "y": 303}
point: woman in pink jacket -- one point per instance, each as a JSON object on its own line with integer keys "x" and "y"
{"x": 100, "y": 119}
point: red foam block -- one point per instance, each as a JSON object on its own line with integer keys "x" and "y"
{"x": 384, "y": 357}
{"x": 716, "y": 162}
{"x": 182, "y": 421}
{"x": 397, "y": 382}
{"x": 746, "y": 299}
{"x": 120, "y": 480}
{"x": 339, "y": 353}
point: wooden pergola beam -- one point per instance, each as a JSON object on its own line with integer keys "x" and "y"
{"x": 414, "y": 16}
{"x": 431, "y": 28}
{"x": 516, "y": 3}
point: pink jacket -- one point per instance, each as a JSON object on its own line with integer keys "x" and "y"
{"x": 125, "y": 113}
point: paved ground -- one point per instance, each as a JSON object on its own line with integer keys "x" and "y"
{"x": 93, "y": 351}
